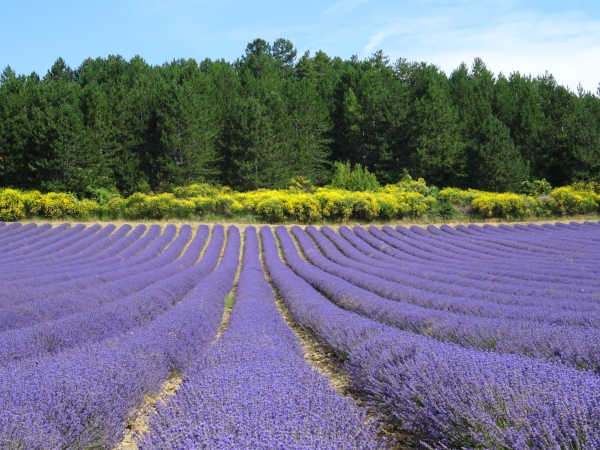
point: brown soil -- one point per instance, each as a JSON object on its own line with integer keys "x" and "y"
{"x": 242, "y": 225}
{"x": 138, "y": 424}
{"x": 232, "y": 294}
{"x": 322, "y": 358}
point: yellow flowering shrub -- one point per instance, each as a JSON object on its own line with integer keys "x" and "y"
{"x": 280, "y": 206}
{"x": 301, "y": 207}
{"x": 335, "y": 204}
{"x": 414, "y": 204}
{"x": 204, "y": 205}
{"x": 196, "y": 190}
{"x": 34, "y": 203}
{"x": 504, "y": 205}
{"x": 222, "y": 204}
{"x": 396, "y": 203}
{"x": 567, "y": 200}
{"x": 271, "y": 210}
{"x": 161, "y": 206}
{"x": 389, "y": 205}
{"x": 365, "y": 206}
{"x": 59, "y": 205}
{"x": 113, "y": 208}
{"x": 408, "y": 198}
{"x": 183, "y": 208}
{"x": 227, "y": 205}
{"x": 156, "y": 207}
{"x": 11, "y": 205}
{"x": 408, "y": 184}
{"x": 591, "y": 185}
{"x": 250, "y": 200}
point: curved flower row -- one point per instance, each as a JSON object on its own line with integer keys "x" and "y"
{"x": 463, "y": 336}
{"x": 573, "y": 345}
{"x": 253, "y": 388}
{"x": 114, "y": 317}
{"x": 81, "y": 398}
{"x": 447, "y": 295}
{"x": 442, "y": 391}
{"x": 87, "y": 291}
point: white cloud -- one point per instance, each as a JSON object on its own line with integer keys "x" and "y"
{"x": 403, "y": 29}
{"x": 566, "y": 45}
{"x": 376, "y": 39}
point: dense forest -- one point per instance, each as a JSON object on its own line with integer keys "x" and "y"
{"x": 272, "y": 115}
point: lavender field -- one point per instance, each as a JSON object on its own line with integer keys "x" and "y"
{"x": 182, "y": 337}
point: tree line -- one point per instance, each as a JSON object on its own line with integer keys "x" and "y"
{"x": 272, "y": 115}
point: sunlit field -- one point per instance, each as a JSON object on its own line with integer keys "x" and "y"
{"x": 247, "y": 336}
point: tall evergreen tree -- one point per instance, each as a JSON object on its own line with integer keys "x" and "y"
{"x": 186, "y": 121}
{"x": 269, "y": 116}
{"x": 498, "y": 165}
{"x": 435, "y": 148}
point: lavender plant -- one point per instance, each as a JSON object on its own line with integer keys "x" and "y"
{"x": 444, "y": 392}
{"x": 253, "y": 388}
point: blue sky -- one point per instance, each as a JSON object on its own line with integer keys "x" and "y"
{"x": 529, "y": 37}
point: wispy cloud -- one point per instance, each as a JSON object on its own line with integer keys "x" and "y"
{"x": 530, "y": 42}
{"x": 414, "y": 29}
{"x": 343, "y": 6}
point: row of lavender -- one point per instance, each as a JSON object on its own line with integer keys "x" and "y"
{"x": 79, "y": 354}
{"x": 441, "y": 392}
{"x": 466, "y": 336}
{"x": 128, "y": 310}
{"x": 253, "y": 388}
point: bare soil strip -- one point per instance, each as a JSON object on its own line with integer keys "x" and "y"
{"x": 139, "y": 423}
{"x": 208, "y": 239}
{"x": 192, "y": 237}
{"x": 322, "y": 358}
{"x": 316, "y": 355}
{"x": 241, "y": 224}
{"x": 225, "y": 239}
{"x": 140, "y": 418}
{"x": 230, "y": 298}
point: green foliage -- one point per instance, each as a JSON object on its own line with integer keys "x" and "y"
{"x": 445, "y": 210}
{"x": 408, "y": 184}
{"x": 592, "y": 185}
{"x": 229, "y": 300}
{"x": 113, "y": 209}
{"x": 438, "y": 149}
{"x": 536, "y": 188}
{"x": 301, "y": 184}
{"x": 123, "y": 126}
{"x": 496, "y": 162}
{"x": 87, "y": 209}
{"x": 102, "y": 195}
{"x": 354, "y": 178}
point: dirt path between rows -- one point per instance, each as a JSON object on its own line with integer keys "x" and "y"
{"x": 406, "y": 223}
